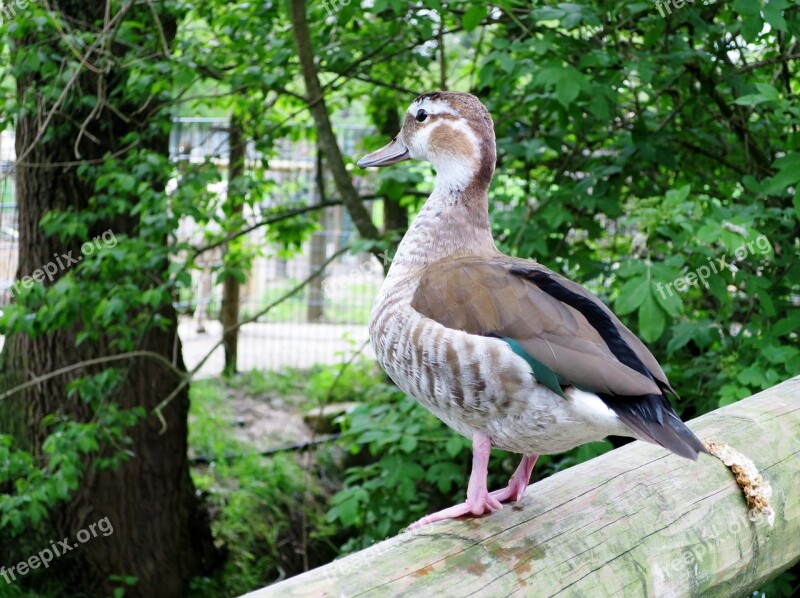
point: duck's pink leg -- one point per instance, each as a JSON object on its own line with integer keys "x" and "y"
{"x": 478, "y": 498}
{"x": 518, "y": 482}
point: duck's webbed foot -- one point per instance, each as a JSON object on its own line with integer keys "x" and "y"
{"x": 479, "y": 501}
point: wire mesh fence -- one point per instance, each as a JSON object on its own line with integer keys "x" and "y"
{"x": 324, "y": 322}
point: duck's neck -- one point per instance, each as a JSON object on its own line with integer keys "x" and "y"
{"x": 453, "y": 222}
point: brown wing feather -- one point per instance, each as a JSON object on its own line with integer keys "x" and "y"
{"x": 480, "y": 296}
{"x": 642, "y": 352}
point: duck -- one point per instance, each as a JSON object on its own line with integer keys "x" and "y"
{"x": 503, "y": 350}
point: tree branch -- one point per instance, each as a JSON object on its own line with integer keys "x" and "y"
{"x": 90, "y": 362}
{"x": 325, "y": 136}
{"x": 277, "y": 218}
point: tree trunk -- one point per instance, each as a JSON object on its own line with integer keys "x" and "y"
{"x": 395, "y": 215}
{"x": 230, "y": 286}
{"x": 326, "y": 139}
{"x": 315, "y": 290}
{"x": 160, "y": 533}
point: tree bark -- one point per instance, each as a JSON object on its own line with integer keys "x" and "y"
{"x": 161, "y": 534}
{"x": 230, "y": 286}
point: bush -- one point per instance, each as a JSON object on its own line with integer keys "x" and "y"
{"x": 268, "y": 512}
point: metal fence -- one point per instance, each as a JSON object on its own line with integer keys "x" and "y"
{"x": 323, "y": 323}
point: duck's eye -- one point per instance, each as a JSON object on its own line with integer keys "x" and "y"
{"x": 421, "y": 115}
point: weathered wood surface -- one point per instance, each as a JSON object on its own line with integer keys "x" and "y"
{"x": 634, "y": 522}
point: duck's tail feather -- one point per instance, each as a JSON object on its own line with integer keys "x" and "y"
{"x": 654, "y": 420}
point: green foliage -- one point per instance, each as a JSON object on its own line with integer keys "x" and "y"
{"x": 37, "y": 488}
{"x": 123, "y": 286}
{"x": 415, "y": 461}
{"x": 786, "y": 584}
{"x": 261, "y": 504}
{"x": 642, "y": 110}
{"x": 339, "y": 384}
{"x": 116, "y": 290}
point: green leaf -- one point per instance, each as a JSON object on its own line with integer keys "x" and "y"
{"x": 709, "y": 232}
{"x": 651, "y": 319}
{"x": 473, "y": 17}
{"x": 788, "y": 324}
{"x": 719, "y": 286}
{"x": 87, "y": 443}
{"x": 768, "y": 91}
{"x": 675, "y": 197}
{"x": 454, "y": 445}
{"x": 751, "y": 376}
{"x": 767, "y": 305}
{"x": 681, "y": 336}
{"x": 547, "y": 14}
{"x": 507, "y": 62}
{"x": 237, "y": 273}
{"x": 630, "y": 267}
{"x": 750, "y": 99}
{"x": 376, "y": 435}
{"x": 747, "y": 7}
{"x": 782, "y": 181}
{"x": 347, "y": 506}
{"x": 568, "y": 87}
{"x": 638, "y": 7}
{"x": 773, "y": 14}
{"x": 788, "y": 173}
{"x": 751, "y": 27}
{"x": 667, "y": 297}
{"x": 631, "y": 295}
{"x": 408, "y": 444}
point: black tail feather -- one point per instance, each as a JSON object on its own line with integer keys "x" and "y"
{"x": 653, "y": 419}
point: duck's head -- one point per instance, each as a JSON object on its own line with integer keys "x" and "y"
{"x": 451, "y": 130}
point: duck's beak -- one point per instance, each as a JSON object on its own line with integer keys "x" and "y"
{"x": 389, "y": 154}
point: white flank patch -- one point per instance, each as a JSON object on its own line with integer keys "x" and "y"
{"x": 592, "y": 409}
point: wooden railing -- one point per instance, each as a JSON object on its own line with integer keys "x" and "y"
{"x": 634, "y": 522}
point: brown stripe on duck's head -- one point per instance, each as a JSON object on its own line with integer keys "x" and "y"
{"x": 451, "y": 130}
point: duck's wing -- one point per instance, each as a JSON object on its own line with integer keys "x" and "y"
{"x": 567, "y": 335}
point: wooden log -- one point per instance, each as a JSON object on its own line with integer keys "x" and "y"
{"x": 637, "y": 521}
